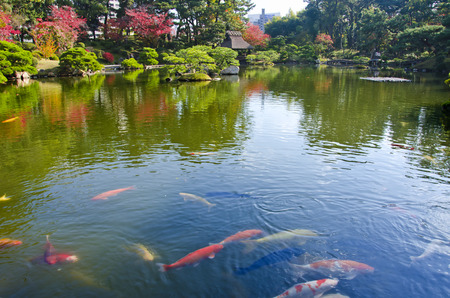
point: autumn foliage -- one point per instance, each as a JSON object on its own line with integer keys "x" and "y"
{"x": 59, "y": 32}
{"x": 254, "y": 36}
{"x": 5, "y": 28}
{"x": 108, "y": 57}
{"x": 324, "y": 39}
{"x": 148, "y": 27}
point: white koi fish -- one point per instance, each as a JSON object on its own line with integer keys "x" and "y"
{"x": 143, "y": 252}
{"x": 337, "y": 268}
{"x": 436, "y": 245}
{"x": 188, "y": 196}
{"x": 310, "y": 289}
{"x": 281, "y": 236}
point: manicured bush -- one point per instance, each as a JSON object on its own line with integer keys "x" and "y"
{"x": 54, "y": 57}
{"x": 186, "y": 77}
{"x": 3, "y": 79}
{"x": 78, "y": 58}
{"x": 14, "y": 59}
{"x": 108, "y": 57}
{"x": 148, "y": 56}
{"x": 131, "y": 64}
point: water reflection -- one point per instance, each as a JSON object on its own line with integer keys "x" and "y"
{"x": 276, "y": 149}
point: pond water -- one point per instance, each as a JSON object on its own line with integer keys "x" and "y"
{"x": 274, "y": 149}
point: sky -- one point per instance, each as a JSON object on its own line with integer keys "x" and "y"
{"x": 281, "y": 6}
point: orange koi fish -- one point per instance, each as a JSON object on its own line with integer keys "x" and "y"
{"x": 343, "y": 268}
{"x": 10, "y": 120}
{"x": 311, "y": 289}
{"x": 193, "y": 258}
{"x": 241, "y": 235}
{"x": 6, "y": 242}
{"x": 111, "y": 193}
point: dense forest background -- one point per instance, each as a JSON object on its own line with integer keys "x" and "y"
{"x": 403, "y": 30}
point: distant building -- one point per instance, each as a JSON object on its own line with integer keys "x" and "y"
{"x": 261, "y": 19}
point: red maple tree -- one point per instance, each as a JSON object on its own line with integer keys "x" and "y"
{"x": 5, "y": 29}
{"x": 254, "y": 36}
{"x": 149, "y": 27}
{"x": 59, "y": 31}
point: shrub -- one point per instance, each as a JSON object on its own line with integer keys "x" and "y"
{"x": 79, "y": 58}
{"x": 54, "y": 57}
{"x": 37, "y": 54}
{"x": 28, "y": 46}
{"x": 263, "y": 57}
{"x": 148, "y": 56}
{"x": 131, "y": 64}
{"x": 108, "y": 57}
{"x": 3, "y": 79}
{"x": 14, "y": 59}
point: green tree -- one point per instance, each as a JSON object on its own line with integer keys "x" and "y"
{"x": 92, "y": 10}
{"x": 148, "y": 56}
{"x": 14, "y": 59}
{"x": 78, "y": 59}
{"x": 373, "y": 33}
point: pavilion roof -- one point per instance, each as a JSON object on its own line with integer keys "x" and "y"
{"x": 235, "y": 41}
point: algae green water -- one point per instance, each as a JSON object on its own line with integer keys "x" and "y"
{"x": 274, "y": 149}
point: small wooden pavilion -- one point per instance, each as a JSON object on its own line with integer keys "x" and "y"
{"x": 235, "y": 41}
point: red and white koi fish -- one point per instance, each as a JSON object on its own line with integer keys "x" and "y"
{"x": 6, "y": 242}
{"x": 51, "y": 258}
{"x": 343, "y": 268}
{"x": 10, "y": 120}
{"x": 193, "y": 258}
{"x": 314, "y": 288}
{"x": 402, "y": 146}
{"x": 111, "y": 193}
{"x": 241, "y": 235}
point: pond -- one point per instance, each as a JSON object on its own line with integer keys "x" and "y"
{"x": 362, "y": 166}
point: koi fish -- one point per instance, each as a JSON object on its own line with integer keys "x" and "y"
{"x": 111, "y": 193}
{"x": 343, "y": 268}
{"x": 314, "y": 288}
{"x": 193, "y": 258}
{"x": 4, "y": 198}
{"x": 142, "y": 251}
{"x": 241, "y": 235}
{"x": 6, "y": 242}
{"x": 399, "y": 209}
{"x": 272, "y": 258}
{"x": 284, "y": 235}
{"x": 224, "y": 194}
{"x": 51, "y": 258}
{"x": 402, "y": 146}
{"x": 10, "y": 120}
{"x": 203, "y": 153}
{"x": 188, "y": 196}
{"x": 435, "y": 245}
{"x": 430, "y": 159}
